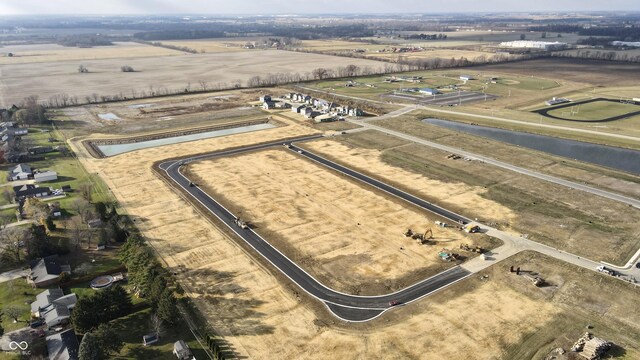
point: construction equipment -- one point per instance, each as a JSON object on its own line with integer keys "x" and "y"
{"x": 536, "y": 280}
{"x": 472, "y": 228}
{"x": 241, "y": 223}
{"x": 421, "y": 238}
{"x": 441, "y": 224}
{"x": 476, "y": 249}
{"x": 446, "y": 255}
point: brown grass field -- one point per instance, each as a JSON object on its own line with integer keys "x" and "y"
{"x": 262, "y": 317}
{"x": 346, "y": 235}
{"x": 173, "y": 72}
{"x": 46, "y": 53}
{"x": 584, "y": 71}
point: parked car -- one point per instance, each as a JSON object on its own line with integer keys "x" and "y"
{"x": 36, "y": 324}
{"x": 394, "y": 303}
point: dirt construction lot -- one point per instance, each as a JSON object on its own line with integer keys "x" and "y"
{"x": 262, "y": 318}
{"x": 346, "y": 235}
{"x": 106, "y": 78}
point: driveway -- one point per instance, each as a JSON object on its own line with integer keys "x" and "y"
{"x": 13, "y": 274}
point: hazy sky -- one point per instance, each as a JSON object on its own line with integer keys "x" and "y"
{"x": 11, "y": 7}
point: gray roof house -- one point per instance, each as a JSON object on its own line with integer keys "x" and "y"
{"x": 30, "y": 191}
{"x": 20, "y": 172}
{"x": 53, "y": 306}
{"x": 181, "y": 350}
{"x": 63, "y": 346}
{"x": 47, "y": 271}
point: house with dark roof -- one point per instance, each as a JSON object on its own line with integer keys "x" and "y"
{"x": 181, "y": 350}
{"x": 29, "y": 191}
{"x": 47, "y": 271}
{"x": 53, "y": 306}
{"x": 63, "y": 346}
{"x": 20, "y": 172}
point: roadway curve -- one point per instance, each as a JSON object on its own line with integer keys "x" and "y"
{"x": 347, "y": 307}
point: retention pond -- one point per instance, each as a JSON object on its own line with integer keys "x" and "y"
{"x": 115, "y": 149}
{"x": 613, "y": 157}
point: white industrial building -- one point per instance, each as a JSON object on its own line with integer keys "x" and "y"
{"x": 626, "y": 43}
{"x": 529, "y": 44}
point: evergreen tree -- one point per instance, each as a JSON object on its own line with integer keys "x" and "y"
{"x": 167, "y": 309}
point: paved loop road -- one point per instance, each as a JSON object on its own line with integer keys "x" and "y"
{"x": 344, "y": 306}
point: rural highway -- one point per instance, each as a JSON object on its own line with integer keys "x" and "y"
{"x": 354, "y": 308}
{"x": 347, "y": 307}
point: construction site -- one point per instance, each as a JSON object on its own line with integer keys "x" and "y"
{"x": 358, "y": 239}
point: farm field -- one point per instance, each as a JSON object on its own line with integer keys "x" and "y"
{"x": 211, "y": 45}
{"x": 345, "y": 234}
{"x": 155, "y": 73}
{"x": 580, "y": 223}
{"x": 583, "y": 71}
{"x": 45, "y": 53}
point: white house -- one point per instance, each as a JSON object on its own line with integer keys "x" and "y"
{"x": 20, "y": 172}
{"x": 466, "y": 77}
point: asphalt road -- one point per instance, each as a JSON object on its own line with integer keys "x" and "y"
{"x": 347, "y": 307}
{"x": 569, "y": 184}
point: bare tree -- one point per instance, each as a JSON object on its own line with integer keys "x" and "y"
{"x": 82, "y": 69}
{"x": 85, "y": 190}
{"x": 11, "y": 240}
{"x": 157, "y": 324}
{"x": 7, "y": 195}
{"x": 78, "y": 231}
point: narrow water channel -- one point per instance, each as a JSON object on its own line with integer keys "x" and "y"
{"x": 613, "y": 157}
{"x": 115, "y": 149}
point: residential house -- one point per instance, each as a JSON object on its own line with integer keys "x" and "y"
{"x": 297, "y": 108}
{"x": 306, "y": 99}
{"x": 355, "y": 112}
{"x": 29, "y": 191}
{"x": 265, "y": 98}
{"x": 20, "y": 172}
{"x": 53, "y": 307}
{"x": 181, "y": 350}
{"x": 47, "y": 271}
{"x": 268, "y": 105}
{"x": 282, "y": 105}
{"x": 63, "y": 346}
{"x": 42, "y": 176}
{"x": 35, "y": 150}
{"x": 466, "y": 77}
{"x": 307, "y": 112}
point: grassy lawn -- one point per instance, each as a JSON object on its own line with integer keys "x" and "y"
{"x": 595, "y": 111}
{"x": 17, "y": 293}
{"x": 134, "y": 326}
